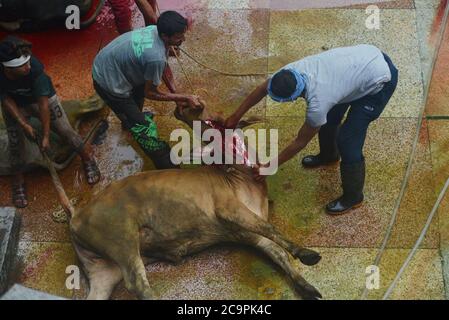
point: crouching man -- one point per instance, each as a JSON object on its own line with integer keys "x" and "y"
{"x": 131, "y": 68}
{"x": 360, "y": 78}
{"x": 26, "y": 90}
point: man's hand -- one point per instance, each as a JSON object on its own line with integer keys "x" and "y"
{"x": 256, "y": 171}
{"x": 194, "y": 102}
{"x": 29, "y": 131}
{"x": 45, "y": 146}
{"x": 181, "y": 105}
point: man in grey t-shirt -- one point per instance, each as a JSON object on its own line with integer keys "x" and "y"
{"x": 130, "y": 68}
{"x": 359, "y": 78}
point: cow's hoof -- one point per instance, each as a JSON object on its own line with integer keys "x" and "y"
{"x": 307, "y": 257}
{"x": 308, "y": 292}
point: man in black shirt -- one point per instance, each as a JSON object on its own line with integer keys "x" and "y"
{"x": 25, "y": 90}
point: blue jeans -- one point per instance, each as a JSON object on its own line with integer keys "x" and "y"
{"x": 362, "y": 112}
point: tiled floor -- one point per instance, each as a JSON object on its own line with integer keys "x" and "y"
{"x": 257, "y": 36}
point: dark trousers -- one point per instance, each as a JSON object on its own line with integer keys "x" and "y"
{"x": 362, "y": 112}
{"x": 128, "y": 110}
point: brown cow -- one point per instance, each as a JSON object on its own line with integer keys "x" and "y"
{"x": 169, "y": 214}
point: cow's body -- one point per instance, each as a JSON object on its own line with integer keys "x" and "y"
{"x": 170, "y": 214}
{"x": 177, "y": 210}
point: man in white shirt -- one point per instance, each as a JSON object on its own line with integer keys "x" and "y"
{"x": 360, "y": 78}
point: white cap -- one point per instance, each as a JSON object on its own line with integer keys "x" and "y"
{"x": 17, "y": 62}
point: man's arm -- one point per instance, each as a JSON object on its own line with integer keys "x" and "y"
{"x": 254, "y": 98}
{"x": 168, "y": 79}
{"x": 44, "y": 114}
{"x": 148, "y": 11}
{"x": 153, "y": 92}
{"x": 10, "y": 106}
{"x": 305, "y": 134}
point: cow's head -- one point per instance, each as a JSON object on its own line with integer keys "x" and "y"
{"x": 210, "y": 119}
{"x": 189, "y": 115}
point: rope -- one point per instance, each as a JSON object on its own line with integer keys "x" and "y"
{"x": 230, "y": 74}
{"x": 63, "y": 199}
{"x": 62, "y": 196}
{"x": 183, "y": 70}
{"x": 418, "y": 242}
{"x": 412, "y": 154}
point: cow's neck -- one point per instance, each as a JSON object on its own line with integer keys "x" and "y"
{"x": 239, "y": 171}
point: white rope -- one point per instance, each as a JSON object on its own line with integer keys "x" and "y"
{"x": 418, "y": 242}
{"x": 413, "y": 152}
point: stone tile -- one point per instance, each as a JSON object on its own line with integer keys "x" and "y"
{"x": 443, "y": 213}
{"x": 348, "y": 279}
{"x": 37, "y": 222}
{"x": 236, "y": 42}
{"x": 183, "y": 4}
{"x": 438, "y": 101}
{"x": 235, "y": 273}
{"x": 18, "y": 292}
{"x": 418, "y": 201}
{"x": 322, "y": 29}
{"x": 118, "y": 156}
{"x": 299, "y": 195}
{"x": 42, "y": 266}
{"x": 429, "y": 15}
{"x": 9, "y": 231}
{"x": 439, "y": 142}
{"x": 428, "y": 4}
{"x": 438, "y": 131}
{"x": 310, "y": 4}
{"x": 422, "y": 280}
{"x": 278, "y": 4}
{"x": 239, "y": 4}
{"x": 341, "y": 274}
{"x": 214, "y": 4}
{"x": 400, "y": 4}
{"x": 217, "y": 273}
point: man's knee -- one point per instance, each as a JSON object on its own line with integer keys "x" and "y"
{"x": 68, "y": 134}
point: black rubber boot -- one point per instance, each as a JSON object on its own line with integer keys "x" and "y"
{"x": 353, "y": 180}
{"x": 161, "y": 158}
{"x": 329, "y": 154}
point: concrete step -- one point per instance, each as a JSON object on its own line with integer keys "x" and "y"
{"x": 9, "y": 234}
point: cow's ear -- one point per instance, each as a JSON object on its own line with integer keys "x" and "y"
{"x": 249, "y": 122}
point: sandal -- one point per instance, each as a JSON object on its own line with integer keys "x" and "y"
{"x": 92, "y": 172}
{"x": 19, "y": 196}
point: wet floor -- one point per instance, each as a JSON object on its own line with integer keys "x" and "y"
{"x": 257, "y": 36}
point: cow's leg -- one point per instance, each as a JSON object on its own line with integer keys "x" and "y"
{"x": 103, "y": 278}
{"x": 103, "y": 275}
{"x": 243, "y": 217}
{"x": 135, "y": 277}
{"x": 282, "y": 258}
